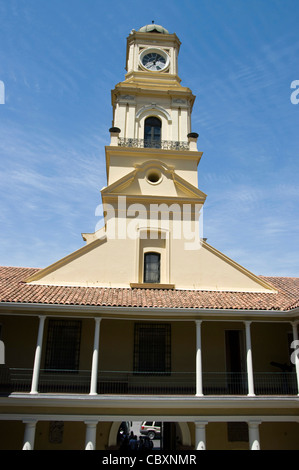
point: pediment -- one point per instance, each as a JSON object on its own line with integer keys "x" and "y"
{"x": 154, "y": 179}
{"x": 205, "y": 269}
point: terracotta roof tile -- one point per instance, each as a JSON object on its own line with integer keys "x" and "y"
{"x": 13, "y": 289}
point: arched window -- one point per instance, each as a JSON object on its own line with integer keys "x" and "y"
{"x": 152, "y": 132}
{"x": 151, "y": 268}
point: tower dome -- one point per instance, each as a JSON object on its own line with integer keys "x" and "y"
{"x": 153, "y": 28}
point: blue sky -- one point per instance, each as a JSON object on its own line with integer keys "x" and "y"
{"x": 59, "y": 61}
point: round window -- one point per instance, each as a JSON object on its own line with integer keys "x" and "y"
{"x": 154, "y": 176}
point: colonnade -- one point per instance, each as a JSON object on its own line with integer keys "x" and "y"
{"x": 249, "y": 364}
{"x": 38, "y": 353}
{"x": 30, "y": 428}
{"x": 199, "y": 380}
{"x": 253, "y": 431}
{"x": 91, "y": 430}
{"x": 200, "y": 426}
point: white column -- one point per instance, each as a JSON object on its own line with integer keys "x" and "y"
{"x": 38, "y": 353}
{"x": 254, "y": 435}
{"x": 95, "y": 358}
{"x": 249, "y": 360}
{"x": 199, "y": 388}
{"x": 29, "y": 435}
{"x": 200, "y": 435}
{"x": 296, "y": 358}
{"x": 90, "y": 437}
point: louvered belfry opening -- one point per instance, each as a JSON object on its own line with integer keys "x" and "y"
{"x": 152, "y": 348}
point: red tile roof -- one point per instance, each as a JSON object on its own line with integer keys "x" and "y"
{"x": 13, "y": 289}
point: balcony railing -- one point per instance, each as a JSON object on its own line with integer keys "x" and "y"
{"x": 50, "y": 381}
{"x": 122, "y": 382}
{"x": 143, "y": 383}
{"x": 153, "y": 143}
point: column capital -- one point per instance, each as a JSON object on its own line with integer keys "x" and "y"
{"x": 254, "y": 424}
{"x": 30, "y": 421}
{"x": 91, "y": 422}
{"x": 201, "y": 424}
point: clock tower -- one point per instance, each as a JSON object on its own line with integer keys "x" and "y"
{"x": 152, "y": 158}
{"x": 149, "y": 235}
{"x": 150, "y": 107}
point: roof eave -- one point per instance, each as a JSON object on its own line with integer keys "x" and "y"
{"x": 108, "y": 311}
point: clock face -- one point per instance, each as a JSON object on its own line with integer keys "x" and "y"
{"x": 153, "y": 61}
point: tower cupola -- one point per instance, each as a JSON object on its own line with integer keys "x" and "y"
{"x": 150, "y": 107}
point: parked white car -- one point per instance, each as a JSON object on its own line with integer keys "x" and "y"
{"x": 152, "y": 429}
